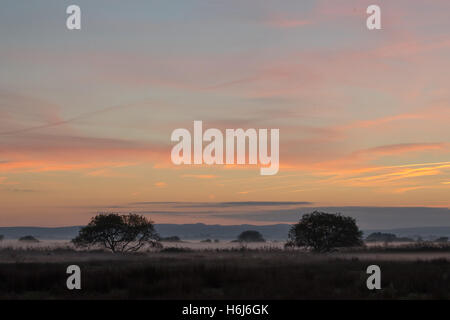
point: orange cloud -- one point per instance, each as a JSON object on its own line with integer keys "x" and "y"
{"x": 403, "y": 148}
{"x": 384, "y": 177}
{"x": 407, "y": 189}
{"x": 383, "y": 120}
{"x": 160, "y": 184}
{"x": 44, "y": 166}
{"x": 199, "y": 176}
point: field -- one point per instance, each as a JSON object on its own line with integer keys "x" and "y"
{"x": 192, "y": 271}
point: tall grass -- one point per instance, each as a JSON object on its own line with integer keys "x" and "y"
{"x": 227, "y": 275}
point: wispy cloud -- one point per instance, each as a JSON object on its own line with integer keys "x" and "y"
{"x": 245, "y": 204}
{"x": 288, "y": 23}
{"x": 160, "y": 184}
{"x": 199, "y": 176}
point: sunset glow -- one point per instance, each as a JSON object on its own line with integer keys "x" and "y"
{"x": 86, "y": 117}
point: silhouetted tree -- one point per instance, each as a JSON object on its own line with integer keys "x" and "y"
{"x": 442, "y": 239}
{"x": 322, "y": 232}
{"x": 386, "y": 237}
{"x": 250, "y": 236}
{"x": 118, "y": 233}
{"x": 171, "y": 239}
{"x": 28, "y": 239}
{"x": 2, "y": 237}
{"x": 380, "y": 236}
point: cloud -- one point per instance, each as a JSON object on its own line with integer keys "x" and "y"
{"x": 19, "y": 190}
{"x": 391, "y": 179}
{"x": 154, "y": 203}
{"x": 407, "y": 189}
{"x": 396, "y": 149}
{"x": 43, "y": 106}
{"x": 46, "y": 166}
{"x": 366, "y": 217}
{"x": 199, "y": 176}
{"x": 245, "y": 204}
{"x": 38, "y": 152}
{"x": 269, "y": 212}
{"x": 288, "y": 23}
{"x": 160, "y": 184}
{"x": 232, "y": 204}
{"x": 384, "y": 120}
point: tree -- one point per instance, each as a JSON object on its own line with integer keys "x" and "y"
{"x": 171, "y": 239}
{"x": 118, "y": 233}
{"x": 250, "y": 236}
{"x": 441, "y": 239}
{"x": 28, "y": 239}
{"x": 386, "y": 237}
{"x": 380, "y": 236}
{"x": 322, "y": 232}
{"x": 2, "y": 237}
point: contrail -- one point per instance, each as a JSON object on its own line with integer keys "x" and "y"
{"x": 62, "y": 122}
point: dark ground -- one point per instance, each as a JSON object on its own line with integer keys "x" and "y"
{"x": 226, "y": 275}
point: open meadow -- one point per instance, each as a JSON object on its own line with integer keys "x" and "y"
{"x": 195, "y": 270}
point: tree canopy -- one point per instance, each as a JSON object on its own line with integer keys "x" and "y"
{"x": 323, "y": 232}
{"x": 118, "y": 233}
{"x": 380, "y": 236}
{"x": 250, "y": 236}
{"x": 386, "y": 237}
{"x": 28, "y": 239}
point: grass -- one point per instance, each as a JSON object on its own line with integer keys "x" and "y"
{"x": 224, "y": 274}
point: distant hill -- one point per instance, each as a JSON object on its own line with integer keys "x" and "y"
{"x": 184, "y": 231}
{"x": 61, "y": 233}
{"x": 423, "y": 232}
{"x": 203, "y": 231}
{"x": 200, "y": 231}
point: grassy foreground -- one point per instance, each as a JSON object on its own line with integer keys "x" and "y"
{"x": 225, "y": 275}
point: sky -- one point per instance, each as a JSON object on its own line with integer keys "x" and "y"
{"x": 86, "y": 115}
